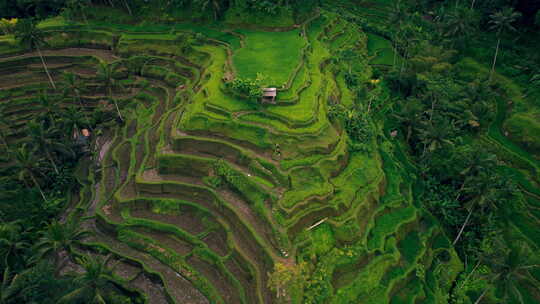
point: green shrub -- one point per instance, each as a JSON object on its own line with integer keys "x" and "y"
{"x": 246, "y": 87}
{"x": 213, "y": 181}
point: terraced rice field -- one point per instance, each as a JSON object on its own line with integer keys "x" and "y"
{"x": 200, "y": 194}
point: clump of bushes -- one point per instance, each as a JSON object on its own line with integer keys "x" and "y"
{"x": 355, "y": 122}
{"x": 248, "y": 88}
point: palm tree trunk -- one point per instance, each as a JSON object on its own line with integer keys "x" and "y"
{"x": 49, "y": 157}
{"x": 472, "y": 4}
{"x": 118, "y": 110}
{"x": 433, "y": 102}
{"x": 472, "y": 271}
{"x": 115, "y": 104}
{"x": 128, "y": 8}
{"x": 37, "y": 185}
{"x": 395, "y": 55}
{"x": 45, "y": 67}
{"x": 481, "y": 296}
{"x": 4, "y": 141}
{"x": 460, "y": 189}
{"x": 463, "y": 227}
{"x": 494, "y": 60}
{"x": 80, "y": 101}
{"x": 403, "y": 62}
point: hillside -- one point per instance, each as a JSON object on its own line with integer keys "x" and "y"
{"x": 389, "y": 170}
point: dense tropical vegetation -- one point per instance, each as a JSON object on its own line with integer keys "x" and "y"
{"x": 400, "y": 163}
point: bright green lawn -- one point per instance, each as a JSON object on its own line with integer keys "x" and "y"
{"x": 274, "y": 54}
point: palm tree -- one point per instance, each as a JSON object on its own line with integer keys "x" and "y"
{"x": 48, "y": 141}
{"x": 348, "y": 56}
{"x": 59, "y": 237}
{"x": 78, "y": 7}
{"x": 486, "y": 192}
{"x": 12, "y": 243}
{"x": 396, "y": 17}
{"x": 434, "y": 135}
{"x": 28, "y": 165}
{"x": 215, "y": 5}
{"x": 4, "y": 124}
{"x": 71, "y": 120}
{"x": 10, "y": 287}
{"x": 30, "y": 37}
{"x": 515, "y": 270}
{"x": 127, "y": 7}
{"x": 459, "y": 24}
{"x": 105, "y": 73}
{"x": 93, "y": 284}
{"x": 501, "y": 22}
{"x": 32, "y": 285}
{"x": 511, "y": 268}
{"x": 72, "y": 86}
{"x": 475, "y": 162}
{"x": 48, "y": 105}
{"x": 409, "y": 116}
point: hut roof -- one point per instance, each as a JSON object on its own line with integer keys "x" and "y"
{"x": 269, "y": 92}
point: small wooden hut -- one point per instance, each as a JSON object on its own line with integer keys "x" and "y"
{"x": 269, "y": 95}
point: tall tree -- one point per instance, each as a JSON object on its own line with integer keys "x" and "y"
{"x": 511, "y": 267}
{"x": 11, "y": 286}
{"x": 48, "y": 141}
{"x": 94, "y": 284}
{"x": 4, "y": 126}
{"x": 501, "y": 22}
{"x": 436, "y": 134}
{"x": 12, "y": 244}
{"x": 71, "y": 120}
{"x": 409, "y": 116}
{"x": 59, "y": 237}
{"x": 484, "y": 195}
{"x": 460, "y": 24}
{"x": 28, "y": 165}
{"x": 214, "y": 5}
{"x": 30, "y": 37}
{"x": 73, "y": 87}
{"x": 105, "y": 73}
{"x": 76, "y": 8}
{"x": 396, "y": 17}
{"x": 48, "y": 105}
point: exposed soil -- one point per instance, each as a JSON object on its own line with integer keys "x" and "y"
{"x": 219, "y": 280}
{"x": 124, "y": 270}
{"x": 154, "y": 291}
{"x": 187, "y": 220}
{"x": 180, "y": 289}
{"x": 246, "y": 279}
{"x": 217, "y": 242}
{"x": 180, "y": 247}
{"x": 345, "y": 275}
{"x": 153, "y": 175}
